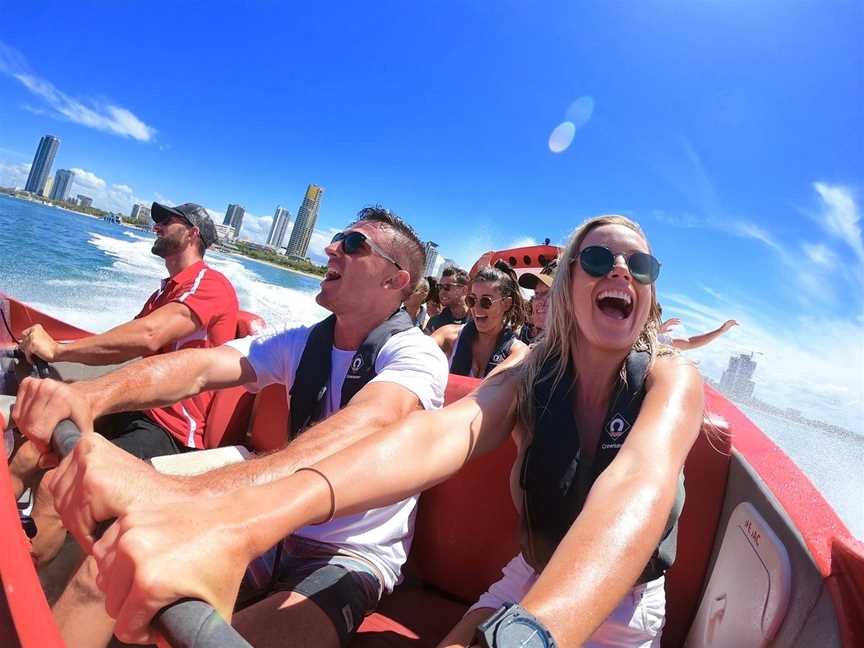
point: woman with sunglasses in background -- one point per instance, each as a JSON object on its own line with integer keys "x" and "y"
{"x": 488, "y": 340}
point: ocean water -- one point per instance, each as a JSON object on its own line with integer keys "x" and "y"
{"x": 96, "y": 275}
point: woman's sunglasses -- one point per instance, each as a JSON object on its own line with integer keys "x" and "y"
{"x": 485, "y": 302}
{"x": 598, "y": 261}
{"x": 353, "y": 241}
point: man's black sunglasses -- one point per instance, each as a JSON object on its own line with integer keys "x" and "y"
{"x": 353, "y": 241}
{"x": 598, "y": 261}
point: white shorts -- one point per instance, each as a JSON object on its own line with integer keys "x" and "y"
{"x": 637, "y": 622}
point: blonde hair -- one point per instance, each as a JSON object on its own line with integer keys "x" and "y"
{"x": 558, "y": 339}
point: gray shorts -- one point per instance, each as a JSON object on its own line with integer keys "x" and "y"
{"x": 344, "y": 585}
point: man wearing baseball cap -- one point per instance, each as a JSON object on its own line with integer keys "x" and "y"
{"x": 194, "y": 307}
{"x": 540, "y": 283}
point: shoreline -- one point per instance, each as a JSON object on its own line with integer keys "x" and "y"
{"x": 272, "y": 265}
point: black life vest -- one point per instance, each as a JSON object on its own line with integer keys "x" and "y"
{"x": 461, "y": 364}
{"x": 313, "y": 373}
{"x": 556, "y": 483}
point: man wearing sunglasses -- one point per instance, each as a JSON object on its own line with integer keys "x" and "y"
{"x": 452, "y": 289}
{"x": 361, "y": 369}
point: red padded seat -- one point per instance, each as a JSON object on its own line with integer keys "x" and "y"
{"x": 705, "y": 473}
{"x": 231, "y": 409}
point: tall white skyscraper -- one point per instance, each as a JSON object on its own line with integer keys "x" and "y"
{"x": 298, "y": 244}
{"x": 281, "y": 218}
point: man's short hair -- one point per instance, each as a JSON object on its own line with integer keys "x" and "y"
{"x": 458, "y": 274}
{"x": 406, "y": 246}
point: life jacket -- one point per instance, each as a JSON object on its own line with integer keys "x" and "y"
{"x": 461, "y": 363}
{"x": 313, "y": 373}
{"x": 555, "y": 482}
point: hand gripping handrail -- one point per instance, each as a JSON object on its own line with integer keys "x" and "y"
{"x": 187, "y": 623}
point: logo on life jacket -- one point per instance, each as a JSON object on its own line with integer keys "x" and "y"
{"x": 356, "y": 363}
{"x": 498, "y": 357}
{"x": 617, "y": 426}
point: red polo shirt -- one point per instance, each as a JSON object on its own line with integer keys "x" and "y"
{"x": 211, "y": 298}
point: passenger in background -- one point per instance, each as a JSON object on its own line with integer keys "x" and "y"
{"x": 540, "y": 283}
{"x": 433, "y": 301}
{"x": 451, "y": 293}
{"x": 488, "y": 340}
{"x": 415, "y": 305}
{"x": 672, "y": 334}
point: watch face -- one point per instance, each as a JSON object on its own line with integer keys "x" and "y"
{"x": 520, "y": 633}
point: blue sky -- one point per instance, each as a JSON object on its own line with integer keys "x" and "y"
{"x": 731, "y": 131}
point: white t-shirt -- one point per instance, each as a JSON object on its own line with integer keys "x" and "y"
{"x": 409, "y": 359}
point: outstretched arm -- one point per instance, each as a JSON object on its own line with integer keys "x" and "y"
{"x": 623, "y": 519}
{"x": 151, "y": 382}
{"x": 140, "y": 337}
{"x": 153, "y": 557}
{"x": 697, "y": 341}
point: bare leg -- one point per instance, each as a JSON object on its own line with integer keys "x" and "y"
{"x": 462, "y": 634}
{"x": 80, "y": 612}
{"x": 286, "y": 619}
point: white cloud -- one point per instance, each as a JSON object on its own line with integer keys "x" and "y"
{"x": 14, "y": 175}
{"x": 819, "y": 254}
{"x": 523, "y": 241}
{"x": 114, "y": 197}
{"x": 317, "y": 242}
{"x": 87, "y": 179}
{"x": 839, "y": 215}
{"x": 92, "y": 113}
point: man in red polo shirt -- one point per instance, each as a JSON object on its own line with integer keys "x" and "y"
{"x": 195, "y": 307}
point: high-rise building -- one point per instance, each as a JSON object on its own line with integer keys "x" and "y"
{"x": 431, "y": 256}
{"x": 62, "y": 184}
{"x": 277, "y": 230}
{"x": 85, "y": 201}
{"x": 305, "y": 223}
{"x": 41, "y": 168}
{"x": 46, "y": 190}
{"x": 140, "y": 214}
{"x": 234, "y": 218}
{"x": 737, "y": 380}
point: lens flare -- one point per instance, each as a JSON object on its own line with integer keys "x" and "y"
{"x": 562, "y": 137}
{"x": 580, "y": 111}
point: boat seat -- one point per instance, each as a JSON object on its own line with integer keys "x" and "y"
{"x": 705, "y": 473}
{"x": 231, "y": 409}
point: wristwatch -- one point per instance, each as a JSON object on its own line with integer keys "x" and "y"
{"x": 513, "y": 627}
